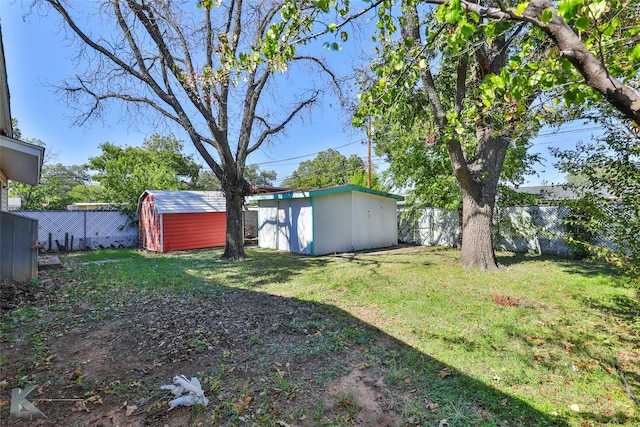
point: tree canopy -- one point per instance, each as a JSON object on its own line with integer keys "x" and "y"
{"x": 252, "y": 173}
{"x": 56, "y": 188}
{"x": 158, "y": 164}
{"x": 329, "y": 168}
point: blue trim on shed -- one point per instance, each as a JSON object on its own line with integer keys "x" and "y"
{"x": 302, "y": 194}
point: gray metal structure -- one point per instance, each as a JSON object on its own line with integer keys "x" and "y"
{"x": 18, "y": 258}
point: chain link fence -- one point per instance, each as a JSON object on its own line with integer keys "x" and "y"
{"x": 64, "y": 231}
{"x": 537, "y": 229}
{"x": 519, "y": 229}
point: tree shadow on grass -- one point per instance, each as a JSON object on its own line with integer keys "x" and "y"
{"x": 582, "y": 267}
{"x": 621, "y": 307}
{"x": 262, "y": 358}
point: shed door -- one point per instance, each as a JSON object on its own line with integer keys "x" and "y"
{"x": 295, "y": 226}
{"x": 268, "y": 224}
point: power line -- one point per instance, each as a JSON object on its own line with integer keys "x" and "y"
{"x": 310, "y": 154}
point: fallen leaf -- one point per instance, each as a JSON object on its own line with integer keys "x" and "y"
{"x": 333, "y": 391}
{"x": 444, "y": 372}
{"x": 241, "y": 404}
{"x": 365, "y": 366}
{"x": 407, "y": 380}
{"x": 444, "y": 423}
{"x": 80, "y": 406}
{"x": 131, "y": 409}
{"x": 5, "y": 402}
{"x": 504, "y": 401}
{"x": 75, "y": 375}
{"x": 95, "y": 399}
{"x": 433, "y": 407}
{"x": 575, "y": 408}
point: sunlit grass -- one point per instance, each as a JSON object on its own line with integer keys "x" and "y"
{"x": 543, "y": 330}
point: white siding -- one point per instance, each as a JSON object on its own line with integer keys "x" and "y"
{"x": 4, "y": 193}
{"x": 327, "y": 221}
{"x": 374, "y": 221}
{"x": 295, "y": 232}
{"x": 332, "y": 228}
{"x": 268, "y": 224}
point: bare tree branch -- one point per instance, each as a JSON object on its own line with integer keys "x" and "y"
{"x": 282, "y": 125}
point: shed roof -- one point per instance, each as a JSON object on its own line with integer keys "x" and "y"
{"x": 302, "y": 194}
{"x": 169, "y": 201}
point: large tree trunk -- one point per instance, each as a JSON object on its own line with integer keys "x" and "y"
{"x": 235, "y": 193}
{"x": 234, "y": 242}
{"x": 477, "y": 242}
{"x": 478, "y": 180}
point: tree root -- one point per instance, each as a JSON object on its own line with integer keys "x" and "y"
{"x": 624, "y": 380}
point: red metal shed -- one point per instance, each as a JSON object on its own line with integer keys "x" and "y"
{"x": 181, "y": 220}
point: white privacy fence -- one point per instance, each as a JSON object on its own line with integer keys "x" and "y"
{"x": 62, "y": 231}
{"x": 519, "y": 229}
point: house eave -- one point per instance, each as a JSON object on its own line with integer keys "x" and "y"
{"x": 21, "y": 161}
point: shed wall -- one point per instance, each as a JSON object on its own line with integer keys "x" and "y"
{"x": 17, "y": 260}
{"x": 182, "y": 231}
{"x": 268, "y": 224}
{"x": 374, "y": 222}
{"x": 332, "y": 228}
{"x": 295, "y": 226}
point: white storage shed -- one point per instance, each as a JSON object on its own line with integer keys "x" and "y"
{"x": 327, "y": 220}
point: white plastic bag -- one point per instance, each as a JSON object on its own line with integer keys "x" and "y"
{"x": 182, "y": 385}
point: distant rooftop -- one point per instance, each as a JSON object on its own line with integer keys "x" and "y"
{"x": 553, "y": 192}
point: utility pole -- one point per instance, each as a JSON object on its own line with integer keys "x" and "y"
{"x": 368, "y": 152}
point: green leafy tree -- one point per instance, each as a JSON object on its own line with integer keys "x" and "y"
{"x": 253, "y": 174}
{"x": 605, "y": 221}
{"x": 89, "y": 193}
{"x": 597, "y": 56}
{"x": 55, "y": 189}
{"x": 433, "y": 95}
{"x": 211, "y": 71}
{"x": 126, "y": 172}
{"x": 329, "y": 168}
{"x": 362, "y": 178}
{"x": 17, "y": 133}
{"x": 207, "y": 181}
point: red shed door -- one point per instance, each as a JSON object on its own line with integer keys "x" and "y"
{"x": 149, "y": 225}
{"x": 193, "y": 230}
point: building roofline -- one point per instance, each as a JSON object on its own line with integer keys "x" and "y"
{"x": 301, "y": 194}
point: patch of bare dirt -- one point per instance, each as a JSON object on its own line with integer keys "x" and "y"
{"x": 261, "y": 360}
{"x": 373, "y": 407}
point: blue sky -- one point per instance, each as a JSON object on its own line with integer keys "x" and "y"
{"x": 37, "y": 55}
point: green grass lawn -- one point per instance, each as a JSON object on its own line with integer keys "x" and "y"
{"x": 542, "y": 331}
